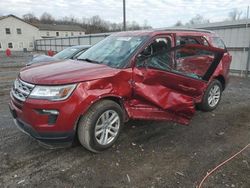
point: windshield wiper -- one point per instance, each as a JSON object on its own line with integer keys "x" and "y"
{"x": 89, "y": 60}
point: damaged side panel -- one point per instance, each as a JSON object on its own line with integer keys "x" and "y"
{"x": 148, "y": 93}
{"x": 155, "y": 92}
{"x": 171, "y": 94}
{"x": 117, "y": 85}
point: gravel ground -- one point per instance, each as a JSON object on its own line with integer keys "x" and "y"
{"x": 147, "y": 154}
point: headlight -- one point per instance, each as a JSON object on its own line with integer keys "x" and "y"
{"x": 54, "y": 93}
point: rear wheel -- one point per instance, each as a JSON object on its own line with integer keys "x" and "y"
{"x": 100, "y": 127}
{"x": 211, "y": 97}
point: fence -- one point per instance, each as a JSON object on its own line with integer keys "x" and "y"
{"x": 235, "y": 34}
{"x": 58, "y": 44}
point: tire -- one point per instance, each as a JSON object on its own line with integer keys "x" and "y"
{"x": 212, "y": 96}
{"x": 96, "y": 134}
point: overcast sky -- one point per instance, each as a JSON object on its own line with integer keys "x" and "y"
{"x": 158, "y": 13}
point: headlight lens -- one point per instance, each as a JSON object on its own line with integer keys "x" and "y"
{"x": 54, "y": 93}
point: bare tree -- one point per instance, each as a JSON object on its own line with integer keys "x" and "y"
{"x": 133, "y": 25}
{"x": 47, "y": 18}
{"x": 235, "y": 14}
{"x": 178, "y": 23}
{"x": 31, "y": 18}
{"x": 92, "y": 25}
{"x": 198, "y": 19}
{"x": 69, "y": 20}
{"x": 116, "y": 27}
{"x": 145, "y": 25}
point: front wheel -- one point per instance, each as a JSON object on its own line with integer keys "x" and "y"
{"x": 211, "y": 97}
{"x": 100, "y": 127}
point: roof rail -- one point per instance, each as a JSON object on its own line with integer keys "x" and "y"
{"x": 182, "y": 29}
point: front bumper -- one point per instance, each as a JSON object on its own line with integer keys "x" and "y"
{"x": 49, "y": 139}
{"x": 56, "y": 130}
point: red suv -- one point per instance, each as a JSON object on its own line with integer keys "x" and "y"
{"x": 154, "y": 75}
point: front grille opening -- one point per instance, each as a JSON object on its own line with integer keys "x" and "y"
{"x": 21, "y": 89}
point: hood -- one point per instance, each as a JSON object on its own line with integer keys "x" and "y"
{"x": 65, "y": 72}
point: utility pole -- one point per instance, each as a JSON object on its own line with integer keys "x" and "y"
{"x": 124, "y": 15}
{"x": 247, "y": 11}
{"x": 248, "y": 57}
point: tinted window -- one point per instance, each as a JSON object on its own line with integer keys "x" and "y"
{"x": 185, "y": 40}
{"x": 191, "y": 40}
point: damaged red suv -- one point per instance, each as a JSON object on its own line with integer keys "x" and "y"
{"x": 153, "y": 75}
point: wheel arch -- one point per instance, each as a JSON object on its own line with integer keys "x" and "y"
{"x": 222, "y": 80}
{"x": 116, "y": 99}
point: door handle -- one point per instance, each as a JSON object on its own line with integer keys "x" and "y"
{"x": 186, "y": 88}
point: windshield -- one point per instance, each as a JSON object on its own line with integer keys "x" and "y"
{"x": 66, "y": 53}
{"x": 113, "y": 50}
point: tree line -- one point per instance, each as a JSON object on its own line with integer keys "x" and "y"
{"x": 233, "y": 15}
{"x": 93, "y": 24}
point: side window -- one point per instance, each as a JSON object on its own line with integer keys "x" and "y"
{"x": 156, "y": 55}
{"x": 218, "y": 43}
{"x": 186, "y": 40}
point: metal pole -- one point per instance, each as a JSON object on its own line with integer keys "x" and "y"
{"x": 248, "y": 60}
{"x": 124, "y": 15}
{"x": 248, "y": 57}
{"x": 56, "y": 45}
{"x": 247, "y": 11}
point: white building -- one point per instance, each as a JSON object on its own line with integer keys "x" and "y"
{"x": 59, "y": 30}
{"x": 18, "y": 35}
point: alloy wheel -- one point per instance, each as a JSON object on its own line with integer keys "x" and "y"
{"x": 214, "y": 96}
{"x": 107, "y": 127}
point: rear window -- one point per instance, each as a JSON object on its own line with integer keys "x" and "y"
{"x": 218, "y": 43}
{"x": 183, "y": 40}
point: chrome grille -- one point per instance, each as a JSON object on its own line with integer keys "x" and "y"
{"x": 21, "y": 89}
